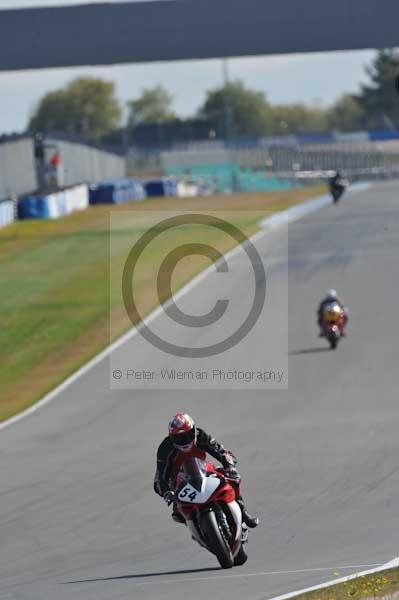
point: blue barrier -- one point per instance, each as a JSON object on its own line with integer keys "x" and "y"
{"x": 117, "y": 191}
{"x": 315, "y": 138}
{"x": 161, "y": 187}
{"x": 32, "y": 208}
{"x": 6, "y": 213}
{"x": 42, "y": 207}
{"x": 381, "y": 136}
{"x": 53, "y": 206}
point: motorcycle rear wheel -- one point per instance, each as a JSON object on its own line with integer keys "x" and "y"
{"x": 215, "y": 541}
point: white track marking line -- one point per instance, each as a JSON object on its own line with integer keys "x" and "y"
{"x": 257, "y": 574}
{"x": 270, "y": 223}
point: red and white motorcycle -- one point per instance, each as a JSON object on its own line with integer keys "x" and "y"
{"x": 207, "y": 500}
{"x": 333, "y": 324}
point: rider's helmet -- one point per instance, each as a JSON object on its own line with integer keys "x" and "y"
{"x": 331, "y": 295}
{"x": 182, "y": 432}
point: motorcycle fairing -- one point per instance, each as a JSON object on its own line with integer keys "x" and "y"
{"x": 190, "y": 494}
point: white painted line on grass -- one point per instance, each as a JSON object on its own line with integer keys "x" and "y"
{"x": 389, "y": 565}
{"x": 273, "y": 222}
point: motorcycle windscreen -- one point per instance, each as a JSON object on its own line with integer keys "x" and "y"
{"x": 332, "y": 312}
{"x": 198, "y": 486}
{"x": 194, "y": 471}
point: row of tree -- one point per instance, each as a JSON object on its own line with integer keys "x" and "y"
{"x": 89, "y": 107}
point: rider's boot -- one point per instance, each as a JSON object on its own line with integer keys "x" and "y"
{"x": 249, "y": 521}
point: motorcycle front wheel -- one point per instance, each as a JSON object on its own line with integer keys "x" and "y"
{"x": 333, "y": 342}
{"x": 215, "y": 540}
{"x": 241, "y": 557}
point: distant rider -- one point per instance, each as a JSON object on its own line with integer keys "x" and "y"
{"x": 330, "y": 298}
{"x": 337, "y": 185}
{"x": 185, "y": 440}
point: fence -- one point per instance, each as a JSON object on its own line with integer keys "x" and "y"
{"x": 283, "y": 162}
{"x": 254, "y": 165}
{"x": 17, "y": 168}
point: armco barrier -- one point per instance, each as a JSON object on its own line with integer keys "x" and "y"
{"x": 117, "y": 191}
{"x": 53, "y": 206}
{"x": 6, "y": 213}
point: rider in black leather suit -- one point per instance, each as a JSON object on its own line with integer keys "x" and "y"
{"x": 185, "y": 439}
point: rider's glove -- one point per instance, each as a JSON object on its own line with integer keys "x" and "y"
{"x": 232, "y": 473}
{"x": 169, "y": 497}
{"x": 230, "y": 458}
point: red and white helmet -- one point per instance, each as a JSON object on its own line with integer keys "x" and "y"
{"x": 182, "y": 432}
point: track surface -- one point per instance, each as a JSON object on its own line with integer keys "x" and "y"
{"x": 78, "y": 518}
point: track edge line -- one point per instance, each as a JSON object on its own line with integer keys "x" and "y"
{"x": 392, "y": 564}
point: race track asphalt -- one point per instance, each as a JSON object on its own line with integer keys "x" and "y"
{"x": 320, "y": 461}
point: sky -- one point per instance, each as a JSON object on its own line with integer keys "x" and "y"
{"x": 317, "y": 78}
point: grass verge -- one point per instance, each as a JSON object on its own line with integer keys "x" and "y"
{"x": 367, "y": 587}
{"x": 54, "y": 288}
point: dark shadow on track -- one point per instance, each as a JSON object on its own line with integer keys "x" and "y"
{"x": 309, "y": 351}
{"x": 143, "y": 575}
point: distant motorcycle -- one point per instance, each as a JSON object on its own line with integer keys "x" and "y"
{"x": 206, "y": 498}
{"x": 333, "y": 324}
{"x": 338, "y": 187}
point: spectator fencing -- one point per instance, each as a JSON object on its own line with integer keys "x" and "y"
{"x": 284, "y": 162}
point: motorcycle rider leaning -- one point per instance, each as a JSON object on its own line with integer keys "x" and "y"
{"x": 337, "y": 185}
{"x": 336, "y": 181}
{"x": 331, "y": 297}
{"x": 187, "y": 440}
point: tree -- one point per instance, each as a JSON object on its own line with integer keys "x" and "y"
{"x": 87, "y": 106}
{"x": 297, "y": 118}
{"x": 346, "y": 114}
{"x": 379, "y": 99}
{"x": 234, "y": 110}
{"x": 153, "y": 106}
